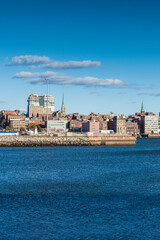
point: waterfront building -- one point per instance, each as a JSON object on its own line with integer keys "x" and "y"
{"x": 57, "y": 125}
{"x": 90, "y": 126}
{"x": 132, "y": 127}
{"x": 137, "y": 118}
{"x": 37, "y": 104}
{"x": 149, "y": 124}
{"x": 119, "y": 124}
{"x": 103, "y": 125}
{"x": 75, "y": 125}
{"x": 110, "y": 124}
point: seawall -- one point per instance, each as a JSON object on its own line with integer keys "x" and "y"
{"x": 33, "y": 141}
{"x": 154, "y": 136}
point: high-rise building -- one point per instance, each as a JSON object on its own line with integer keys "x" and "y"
{"x": 63, "y": 109}
{"x": 37, "y": 104}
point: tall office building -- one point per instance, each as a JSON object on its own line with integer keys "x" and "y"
{"x": 37, "y": 104}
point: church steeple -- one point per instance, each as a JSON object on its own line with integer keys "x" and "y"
{"x": 63, "y": 101}
{"x": 142, "y": 108}
{"x": 63, "y": 110}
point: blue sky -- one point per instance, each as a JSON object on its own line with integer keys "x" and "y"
{"x": 120, "y": 40}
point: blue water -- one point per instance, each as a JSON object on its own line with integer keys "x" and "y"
{"x": 81, "y": 192}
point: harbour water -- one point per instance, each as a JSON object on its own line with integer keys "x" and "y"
{"x": 64, "y": 193}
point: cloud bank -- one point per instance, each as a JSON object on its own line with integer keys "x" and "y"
{"x": 46, "y": 62}
{"x": 71, "y": 64}
{"x": 28, "y": 60}
{"x": 63, "y": 79}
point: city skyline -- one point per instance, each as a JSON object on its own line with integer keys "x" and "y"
{"x": 111, "y": 69}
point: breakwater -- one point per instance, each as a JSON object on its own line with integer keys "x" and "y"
{"x": 32, "y": 141}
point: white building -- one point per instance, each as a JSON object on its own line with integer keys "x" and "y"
{"x": 57, "y": 125}
{"x": 150, "y": 124}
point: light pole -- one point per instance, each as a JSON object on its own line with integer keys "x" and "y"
{"x": 47, "y": 103}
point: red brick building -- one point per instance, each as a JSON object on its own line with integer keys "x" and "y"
{"x": 90, "y": 126}
{"x": 75, "y": 125}
{"x": 132, "y": 128}
{"x": 103, "y": 125}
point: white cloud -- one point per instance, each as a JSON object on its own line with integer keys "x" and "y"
{"x": 71, "y": 64}
{"x": 46, "y": 62}
{"x": 62, "y": 79}
{"x": 28, "y": 59}
{"x": 36, "y": 74}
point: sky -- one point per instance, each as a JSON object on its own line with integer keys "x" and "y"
{"x": 103, "y": 55}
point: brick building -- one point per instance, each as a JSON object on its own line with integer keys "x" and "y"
{"x": 132, "y": 127}
{"x": 75, "y": 125}
{"x": 119, "y": 124}
{"x": 90, "y": 126}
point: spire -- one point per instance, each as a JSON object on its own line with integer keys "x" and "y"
{"x": 63, "y": 110}
{"x": 142, "y": 108}
{"x": 63, "y": 101}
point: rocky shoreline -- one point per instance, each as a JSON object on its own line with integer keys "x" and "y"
{"x": 39, "y": 141}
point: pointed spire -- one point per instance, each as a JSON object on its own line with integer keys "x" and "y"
{"x": 142, "y": 108}
{"x": 63, "y": 101}
{"x": 63, "y": 111}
